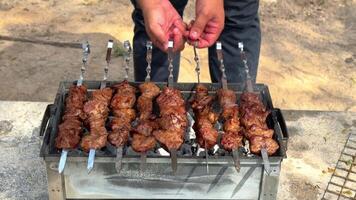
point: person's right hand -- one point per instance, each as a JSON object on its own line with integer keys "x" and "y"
{"x": 162, "y": 22}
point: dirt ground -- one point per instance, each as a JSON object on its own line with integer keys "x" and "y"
{"x": 308, "y": 60}
{"x": 308, "y": 56}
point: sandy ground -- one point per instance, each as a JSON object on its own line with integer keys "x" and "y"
{"x": 308, "y": 56}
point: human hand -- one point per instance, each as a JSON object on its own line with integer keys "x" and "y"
{"x": 162, "y": 22}
{"x": 208, "y": 24}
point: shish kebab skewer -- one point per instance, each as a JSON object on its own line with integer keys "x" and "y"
{"x": 231, "y": 140}
{"x": 122, "y": 105}
{"x": 70, "y": 129}
{"x": 260, "y": 137}
{"x": 173, "y": 115}
{"x": 101, "y": 95}
{"x": 142, "y": 138}
{"x": 205, "y": 119}
{"x": 173, "y": 151}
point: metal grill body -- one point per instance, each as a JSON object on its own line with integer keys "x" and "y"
{"x": 157, "y": 181}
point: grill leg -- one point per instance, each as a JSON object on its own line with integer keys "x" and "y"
{"x": 56, "y": 188}
{"x": 269, "y": 187}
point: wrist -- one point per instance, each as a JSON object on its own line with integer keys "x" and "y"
{"x": 148, "y": 4}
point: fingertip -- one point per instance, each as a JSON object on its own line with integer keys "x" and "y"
{"x": 193, "y": 35}
{"x": 176, "y": 31}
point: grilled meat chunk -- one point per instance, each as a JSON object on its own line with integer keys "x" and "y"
{"x": 122, "y": 105}
{"x": 253, "y": 119}
{"x": 70, "y": 130}
{"x": 257, "y": 143}
{"x": 141, "y": 143}
{"x": 173, "y": 119}
{"x": 231, "y": 139}
{"x": 97, "y": 112}
{"x": 205, "y": 118}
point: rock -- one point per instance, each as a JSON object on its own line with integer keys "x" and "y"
{"x": 349, "y": 60}
{"x": 5, "y": 127}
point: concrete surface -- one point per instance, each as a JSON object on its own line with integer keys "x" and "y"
{"x": 316, "y": 140}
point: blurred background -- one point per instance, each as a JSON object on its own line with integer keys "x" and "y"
{"x": 308, "y": 56}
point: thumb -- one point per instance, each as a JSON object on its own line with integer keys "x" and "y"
{"x": 198, "y": 27}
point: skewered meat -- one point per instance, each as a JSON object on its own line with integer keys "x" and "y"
{"x": 149, "y": 91}
{"x": 125, "y": 96}
{"x": 119, "y": 137}
{"x": 173, "y": 118}
{"x": 97, "y": 112}
{"x": 227, "y": 98}
{"x": 147, "y": 127}
{"x": 258, "y": 143}
{"x": 142, "y": 140}
{"x": 70, "y": 129}
{"x": 207, "y": 135}
{"x": 169, "y": 138}
{"x": 253, "y": 119}
{"x": 255, "y": 130}
{"x": 141, "y": 143}
{"x": 122, "y": 105}
{"x": 232, "y": 138}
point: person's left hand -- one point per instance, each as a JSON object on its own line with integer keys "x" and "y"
{"x": 209, "y": 23}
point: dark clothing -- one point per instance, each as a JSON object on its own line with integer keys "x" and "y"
{"x": 241, "y": 24}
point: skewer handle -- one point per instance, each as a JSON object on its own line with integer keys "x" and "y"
{"x": 170, "y": 62}
{"x": 86, "y": 52}
{"x": 108, "y": 58}
{"x": 149, "y": 60}
{"x": 127, "y": 47}
{"x": 222, "y": 65}
{"x": 247, "y": 69}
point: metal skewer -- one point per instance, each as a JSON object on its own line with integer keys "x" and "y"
{"x": 86, "y": 52}
{"x": 147, "y": 79}
{"x": 170, "y": 63}
{"x": 197, "y": 70}
{"x": 149, "y": 60}
{"x": 196, "y": 59}
{"x": 127, "y": 56}
{"x": 236, "y": 157}
{"x": 91, "y": 158}
{"x": 222, "y": 65}
{"x": 235, "y": 152}
{"x": 108, "y": 59}
{"x": 206, "y": 157}
{"x": 249, "y": 84}
{"x": 173, "y": 152}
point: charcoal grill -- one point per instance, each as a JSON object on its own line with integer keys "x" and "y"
{"x": 191, "y": 181}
